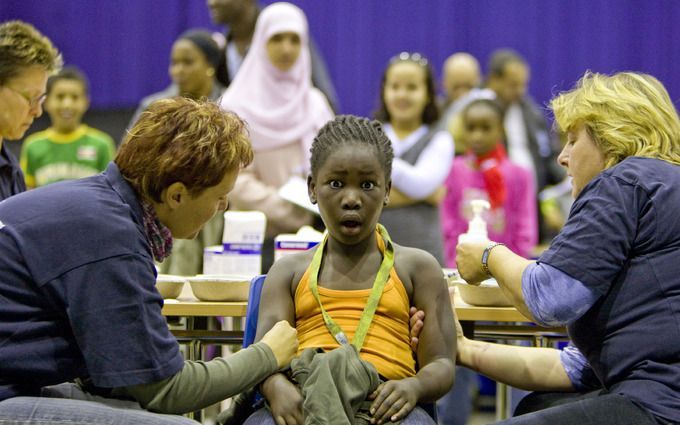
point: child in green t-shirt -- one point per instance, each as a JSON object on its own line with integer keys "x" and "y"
{"x": 68, "y": 149}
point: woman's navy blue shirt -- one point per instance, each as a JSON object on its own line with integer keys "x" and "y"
{"x": 77, "y": 289}
{"x": 622, "y": 240}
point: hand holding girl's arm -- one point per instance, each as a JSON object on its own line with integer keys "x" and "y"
{"x": 284, "y": 398}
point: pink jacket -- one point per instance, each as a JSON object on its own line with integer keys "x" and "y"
{"x": 515, "y": 224}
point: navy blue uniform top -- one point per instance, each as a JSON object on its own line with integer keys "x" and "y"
{"x": 622, "y": 240}
{"x": 77, "y": 289}
{"x": 11, "y": 177}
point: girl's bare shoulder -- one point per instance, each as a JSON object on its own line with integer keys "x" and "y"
{"x": 290, "y": 268}
{"x": 413, "y": 265}
{"x": 413, "y": 258}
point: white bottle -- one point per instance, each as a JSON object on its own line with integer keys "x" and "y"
{"x": 477, "y": 226}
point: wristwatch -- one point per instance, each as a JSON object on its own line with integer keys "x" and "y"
{"x": 485, "y": 256}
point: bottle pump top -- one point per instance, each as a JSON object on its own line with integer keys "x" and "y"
{"x": 477, "y": 225}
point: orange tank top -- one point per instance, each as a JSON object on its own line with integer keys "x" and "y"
{"x": 387, "y": 344}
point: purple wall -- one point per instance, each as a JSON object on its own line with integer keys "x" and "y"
{"x": 123, "y": 45}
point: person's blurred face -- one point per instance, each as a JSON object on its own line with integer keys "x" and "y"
{"x": 192, "y": 212}
{"x": 582, "y": 158}
{"x": 66, "y": 103}
{"x": 21, "y": 100}
{"x": 283, "y": 50}
{"x": 225, "y": 12}
{"x": 512, "y": 85}
{"x": 405, "y": 91}
{"x": 189, "y": 69}
{"x": 458, "y": 81}
{"x": 483, "y": 128}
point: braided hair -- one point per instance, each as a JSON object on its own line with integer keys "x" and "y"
{"x": 350, "y": 129}
{"x": 491, "y": 103}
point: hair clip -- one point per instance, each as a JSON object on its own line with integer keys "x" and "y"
{"x": 411, "y": 57}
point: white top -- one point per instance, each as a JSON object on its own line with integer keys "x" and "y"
{"x": 234, "y": 59}
{"x": 518, "y": 142}
{"x": 430, "y": 170}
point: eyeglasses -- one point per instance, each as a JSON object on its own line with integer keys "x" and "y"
{"x": 411, "y": 57}
{"x": 32, "y": 101}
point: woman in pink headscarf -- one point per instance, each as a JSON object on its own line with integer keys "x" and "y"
{"x": 273, "y": 92}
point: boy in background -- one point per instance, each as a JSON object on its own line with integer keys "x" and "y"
{"x": 68, "y": 149}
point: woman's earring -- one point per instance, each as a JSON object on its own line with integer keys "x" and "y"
{"x": 210, "y": 72}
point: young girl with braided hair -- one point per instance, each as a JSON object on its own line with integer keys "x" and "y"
{"x": 352, "y": 294}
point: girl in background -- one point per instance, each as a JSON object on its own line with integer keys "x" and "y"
{"x": 273, "y": 92}
{"x": 486, "y": 173}
{"x": 423, "y": 153}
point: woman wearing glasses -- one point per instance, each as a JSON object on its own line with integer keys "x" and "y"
{"x": 26, "y": 59}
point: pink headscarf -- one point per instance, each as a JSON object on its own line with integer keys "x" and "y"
{"x": 280, "y": 107}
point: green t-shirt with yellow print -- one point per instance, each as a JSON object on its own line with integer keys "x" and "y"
{"x": 49, "y": 157}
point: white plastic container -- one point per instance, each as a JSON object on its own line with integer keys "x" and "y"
{"x": 290, "y": 243}
{"x": 170, "y": 286}
{"x": 477, "y": 231}
{"x": 241, "y": 249}
{"x": 486, "y": 294}
{"x": 220, "y": 287}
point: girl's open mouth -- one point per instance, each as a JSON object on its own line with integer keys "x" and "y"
{"x": 350, "y": 224}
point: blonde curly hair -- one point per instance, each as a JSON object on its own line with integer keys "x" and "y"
{"x": 22, "y": 46}
{"x": 626, "y": 114}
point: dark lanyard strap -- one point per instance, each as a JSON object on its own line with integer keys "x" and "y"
{"x": 373, "y": 299}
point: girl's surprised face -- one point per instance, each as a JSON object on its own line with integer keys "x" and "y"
{"x": 351, "y": 190}
{"x": 483, "y": 128}
{"x": 405, "y": 92}
{"x": 283, "y": 50}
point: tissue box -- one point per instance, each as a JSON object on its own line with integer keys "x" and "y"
{"x": 233, "y": 259}
{"x": 241, "y": 250}
{"x": 245, "y": 227}
{"x": 304, "y": 239}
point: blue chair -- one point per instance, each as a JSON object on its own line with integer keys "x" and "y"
{"x": 254, "y": 295}
{"x": 245, "y": 403}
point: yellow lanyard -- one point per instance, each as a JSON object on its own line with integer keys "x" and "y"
{"x": 373, "y": 299}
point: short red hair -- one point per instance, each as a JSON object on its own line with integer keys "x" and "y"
{"x": 182, "y": 140}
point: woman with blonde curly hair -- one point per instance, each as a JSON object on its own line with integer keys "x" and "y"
{"x": 610, "y": 276}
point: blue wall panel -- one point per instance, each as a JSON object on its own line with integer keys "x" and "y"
{"x": 123, "y": 45}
